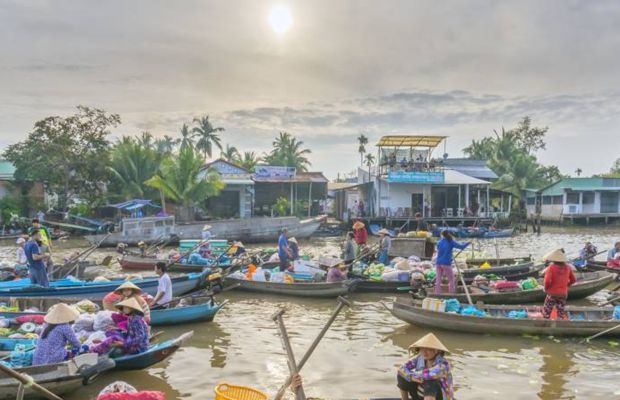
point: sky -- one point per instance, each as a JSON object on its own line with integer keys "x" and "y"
{"x": 454, "y": 68}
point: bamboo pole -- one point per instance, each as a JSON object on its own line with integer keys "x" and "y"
{"x": 28, "y": 381}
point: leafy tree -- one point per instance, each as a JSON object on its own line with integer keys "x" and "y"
{"x": 187, "y": 137}
{"x": 287, "y": 151}
{"x": 207, "y": 136}
{"x": 510, "y": 154}
{"x": 133, "y": 161}
{"x": 182, "y": 179}
{"x": 249, "y": 160}
{"x": 615, "y": 168}
{"x": 362, "y": 140}
{"x": 230, "y": 154}
{"x": 69, "y": 154}
{"x": 281, "y": 206}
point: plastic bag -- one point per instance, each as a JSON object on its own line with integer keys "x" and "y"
{"x": 617, "y": 312}
{"x": 530, "y": 283}
{"x": 103, "y": 321}
{"x": 518, "y": 314}
{"x": 453, "y": 305}
{"x": 144, "y": 395}
{"x": 390, "y": 276}
{"x": 95, "y": 338}
{"x": 259, "y": 275}
{"x": 473, "y": 311}
{"x": 87, "y": 306}
{"x": 84, "y": 322}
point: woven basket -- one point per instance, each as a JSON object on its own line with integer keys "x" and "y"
{"x": 230, "y": 392}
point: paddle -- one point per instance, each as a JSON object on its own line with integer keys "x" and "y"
{"x": 27, "y": 381}
{"x": 610, "y": 301}
{"x": 342, "y": 302}
{"x": 600, "y": 333}
{"x": 458, "y": 270}
{"x": 86, "y": 252}
{"x": 286, "y": 344}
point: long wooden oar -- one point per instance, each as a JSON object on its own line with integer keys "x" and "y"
{"x": 600, "y": 333}
{"x": 342, "y": 302}
{"x": 286, "y": 344}
{"x": 458, "y": 270}
{"x": 27, "y": 381}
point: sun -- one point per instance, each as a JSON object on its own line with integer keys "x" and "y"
{"x": 280, "y": 19}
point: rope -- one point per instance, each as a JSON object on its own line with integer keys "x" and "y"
{"x": 29, "y": 379}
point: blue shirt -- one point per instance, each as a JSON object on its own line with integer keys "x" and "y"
{"x": 282, "y": 246}
{"x": 444, "y": 250}
{"x": 611, "y": 254}
{"x": 33, "y": 248}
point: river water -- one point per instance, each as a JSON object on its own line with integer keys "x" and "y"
{"x": 359, "y": 355}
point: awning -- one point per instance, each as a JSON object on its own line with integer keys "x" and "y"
{"x": 453, "y": 177}
{"x": 410, "y": 141}
{"x": 238, "y": 181}
{"x": 131, "y": 205}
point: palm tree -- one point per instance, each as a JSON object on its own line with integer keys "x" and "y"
{"x": 182, "y": 179}
{"x": 186, "y": 136}
{"x": 230, "y": 154}
{"x": 363, "y": 141}
{"x": 249, "y": 160}
{"x": 288, "y": 151}
{"x": 578, "y": 171}
{"x": 166, "y": 144}
{"x": 206, "y": 134}
{"x": 131, "y": 163}
{"x": 369, "y": 160}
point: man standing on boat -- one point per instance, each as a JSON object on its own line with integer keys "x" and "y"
{"x": 284, "y": 252}
{"x": 164, "y": 287}
{"x": 35, "y": 257}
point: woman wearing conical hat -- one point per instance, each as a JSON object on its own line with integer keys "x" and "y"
{"x": 123, "y": 292}
{"x": 134, "y": 338}
{"x": 426, "y": 376}
{"x": 559, "y": 277}
{"x": 56, "y": 334}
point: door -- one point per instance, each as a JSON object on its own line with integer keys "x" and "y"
{"x": 609, "y": 202}
{"x": 417, "y": 203}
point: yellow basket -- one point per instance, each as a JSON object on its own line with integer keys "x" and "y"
{"x": 229, "y": 392}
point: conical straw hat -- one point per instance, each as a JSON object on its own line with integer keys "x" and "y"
{"x": 131, "y": 303}
{"x": 429, "y": 341}
{"x": 128, "y": 285}
{"x": 384, "y": 232}
{"x": 358, "y": 225}
{"x": 61, "y": 314}
{"x": 556, "y": 255}
{"x": 240, "y": 244}
{"x": 293, "y": 240}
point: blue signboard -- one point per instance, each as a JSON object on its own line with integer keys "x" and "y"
{"x": 416, "y": 177}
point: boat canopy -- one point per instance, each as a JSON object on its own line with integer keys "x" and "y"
{"x": 131, "y": 205}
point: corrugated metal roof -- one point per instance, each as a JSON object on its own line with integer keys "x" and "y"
{"x": 7, "y": 170}
{"x": 301, "y": 177}
{"x": 410, "y": 141}
{"x": 476, "y": 168}
{"x": 579, "y": 184}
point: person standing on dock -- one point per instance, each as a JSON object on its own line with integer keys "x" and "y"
{"x": 284, "y": 252}
{"x": 558, "y": 278}
{"x": 444, "y": 260}
{"x": 384, "y": 247}
{"x": 35, "y": 257}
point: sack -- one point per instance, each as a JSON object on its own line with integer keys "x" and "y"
{"x": 529, "y": 284}
{"x": 506, "y": 285}
{"x": 433, "y": 304}
{"x": 37, "y": 319}
{"x": 259, "y": 275}
{"x": 103, "y": 321}
{"x": 391, "y": 276}
{"x": 144, "y": 395}
{"x": 518, "y": 314}
{"x": 84, "y": 322}
{"x": 87, "y": 306}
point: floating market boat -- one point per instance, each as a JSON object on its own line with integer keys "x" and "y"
{"x": 496, "y": 261}
{"x": 131, "y": 262}
{"x": 248, "y": 230}
{"x": 77, "y": 290}
{"x": 587, "y": 284}
{"x": 58, "y": 378}
{"x": 156, "y": 353}
{"x": 585, "y": 321}
{"x": 297, "y": 289}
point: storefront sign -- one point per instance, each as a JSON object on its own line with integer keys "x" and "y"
{"x": 416, "y": 177}
{"x": 275, "y": 172}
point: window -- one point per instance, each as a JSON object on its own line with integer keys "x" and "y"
{"x": 546, "y": 200}
{"x": 572, "y": 198}
{"x": 558, "y": 199}
{"x": 588, "y": 197}
{"x": 531, "y": 201}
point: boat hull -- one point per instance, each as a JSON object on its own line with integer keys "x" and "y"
{"x": 581, "y": 289}
{"x": 319, "y": 289}
{"x": 155, "y": 354}
{"x": 412, "y": 313}
{"x": 249, "y": 230}
{"x": 135, "y": 263}
{"x": 97, "y": 290}
{"x": 188, "y": 314}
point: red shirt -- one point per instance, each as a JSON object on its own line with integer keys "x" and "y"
{"x": 558, "y": 279}
{"x": 361, "y": 236}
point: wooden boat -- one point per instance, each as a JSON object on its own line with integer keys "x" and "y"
{"x": 515, "y": 272}
{"x": 499, "y": 233}
{"x": 58, "y": 378}
{"x": 587, "y": 284}
{"x": 198, "y": 312}
{"x": 595, "y": 320}
{"x": 132, "y": 262}
{"x": 310, "y": 289}
{"x": 248, "y": 230}
{"x": 75, "y": 289}
{"x": 494, "y": 261}
{"x": 156, "y": 353}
